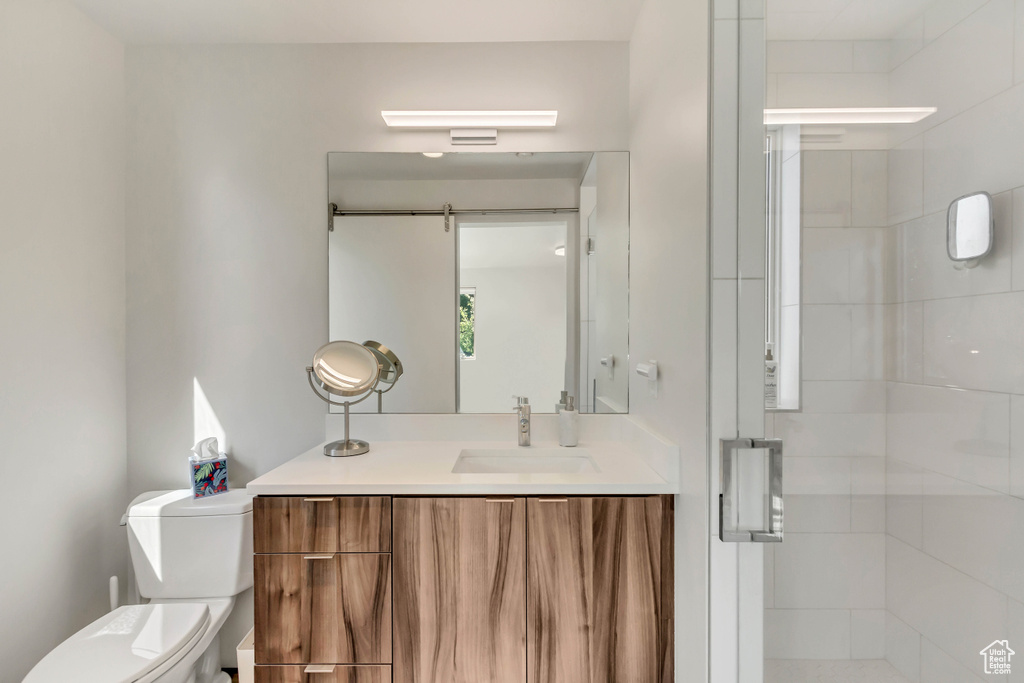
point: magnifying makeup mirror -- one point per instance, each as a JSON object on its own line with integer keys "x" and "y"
{"x": 390, "y": 369}
{"x": 346, "y": 369}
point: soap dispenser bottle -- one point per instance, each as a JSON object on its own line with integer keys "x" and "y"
{"x": 560, "y": 406}
{"x": 568, "y": 424}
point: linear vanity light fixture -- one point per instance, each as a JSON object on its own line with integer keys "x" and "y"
{"x": 470, "y": 119}
{"x": 471, "y": 127}
{"x": 848, "y": 115}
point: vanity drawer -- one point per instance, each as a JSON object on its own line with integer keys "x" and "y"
{"x": 323, "y": 608}
{"x": 322, "y": 524}
{"x": 365, "y": 673}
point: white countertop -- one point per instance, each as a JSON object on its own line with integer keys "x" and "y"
{"x": 425, "y": 467}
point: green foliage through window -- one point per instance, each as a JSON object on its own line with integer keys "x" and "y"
{"x": 467, "y": 323}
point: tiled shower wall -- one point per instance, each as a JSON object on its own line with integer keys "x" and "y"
{"x": 825, "y": 586}
{"x": 955, "y": 397}
{"x": 909, "y": 364}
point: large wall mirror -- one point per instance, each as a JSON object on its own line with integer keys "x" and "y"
{"x": 490, "y": 275}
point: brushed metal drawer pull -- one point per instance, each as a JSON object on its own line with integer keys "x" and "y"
{"x": 319, "y": 669}
{"x": 318, "y": 557}
{"x": 317, "y": 500}
{"x": 552, "y": 500}
{"x": 500, "y": 500}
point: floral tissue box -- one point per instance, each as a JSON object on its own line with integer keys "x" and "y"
{"x": 209, "y": 477}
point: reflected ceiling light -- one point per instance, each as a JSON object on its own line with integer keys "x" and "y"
{"x": 470, "y": 119}
{"x": 848, "y": 115}
{"x": 560, "y": 250}
{"x": 432, "y": 155}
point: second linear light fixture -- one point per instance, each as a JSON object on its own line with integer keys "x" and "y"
{"x": 471, "y": 127}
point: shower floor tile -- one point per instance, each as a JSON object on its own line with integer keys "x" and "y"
{"x": 831, "y": 671}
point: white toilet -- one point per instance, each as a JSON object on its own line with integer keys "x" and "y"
{"x": 191, "y": 558}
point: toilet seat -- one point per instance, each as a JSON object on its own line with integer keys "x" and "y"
{"x": 126, "y": 645}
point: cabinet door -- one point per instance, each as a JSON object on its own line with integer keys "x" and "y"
{"x": 599, "y": 596}
{"x": 336, "y": 674}
{"x": 460, "y": 590}
{"x": 322, "y": 524}
{"x": 323, "y": 609}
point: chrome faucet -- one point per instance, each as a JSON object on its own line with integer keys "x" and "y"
{"x": 523, "y": 411}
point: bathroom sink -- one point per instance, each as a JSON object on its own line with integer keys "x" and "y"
{"x": 526, "y": 460}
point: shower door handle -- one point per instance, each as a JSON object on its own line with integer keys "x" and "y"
{"x": 729, "y": 530}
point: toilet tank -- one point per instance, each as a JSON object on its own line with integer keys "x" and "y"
{"x": 191, "y": 548}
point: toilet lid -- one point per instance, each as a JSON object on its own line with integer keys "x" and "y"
{"x": 124, "y": 645}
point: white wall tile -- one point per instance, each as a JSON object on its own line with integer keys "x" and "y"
{"x": 1015, "y": 634}
{"x": 817, "y": 494}
{"x": 830, "y": 571}
{"x": 967, "y": 64}
{"x": 867, "y": 514}
{"x": 843, "y": 265}
{"x": 1017, "y": 233}
{"x": 867, "y": 476}
{"x": 942, "y": 15}
{"x": 945, "y": 606}
{"x": 796, "y": 25}
{"x": 867, "y": 345}
{"x": 843, "y": 397}
{"x": 867, "y": 502}
{"x": 807, "y": 634}
{"x": 769, "y": 575}
{"x": 904, "y": 507}
{"x": 969, "y": 528}
{"x": 831, "y": 436}
{"x": 827, "y": 349}
{"x": 903, "y": 647}
{"x": 833, "y": 90}
{"x": 871, "y": 56}
{"x": 1018, "y": 65}
{"x": 938, "y": 667}
{"x": 1017, "y": 446}
{"x": 810, "y": 56}
{"x": 904, "y": 347}
{"x": 963, "y": 434}
{"x": 906, "y": 181}
{"x": 980, "y": 148}
{"x": 870, "y": 188}
{"x": 975, "y": 342}
{"x": 818, "y": 476}
{"x": 812, "y": 513}
{"x": 906, "y": 42}
{"x": 827, "y": 200}
{"x": 867, "y": 634}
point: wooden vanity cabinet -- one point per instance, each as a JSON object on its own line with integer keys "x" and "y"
{"x": 360, "y": 673}
{"x": 460, "y": 590}
{"x": 322, "y": 579}
{"x": 599, "y": 590}
{"x": 500, "y": 589}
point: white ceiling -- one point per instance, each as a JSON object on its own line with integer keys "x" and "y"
{"x": 362, "y": 21}
{"x": 839, "y": 19}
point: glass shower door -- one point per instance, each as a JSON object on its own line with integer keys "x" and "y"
{"x": 842, "y": 133}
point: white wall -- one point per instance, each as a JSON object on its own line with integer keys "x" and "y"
{"x": 520, "y": 339}
{"x": 226, "y": 214}
{"x": 669, "y": 279}
{"x": 227, "y": 258}
{"x": 62, "y": 359}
